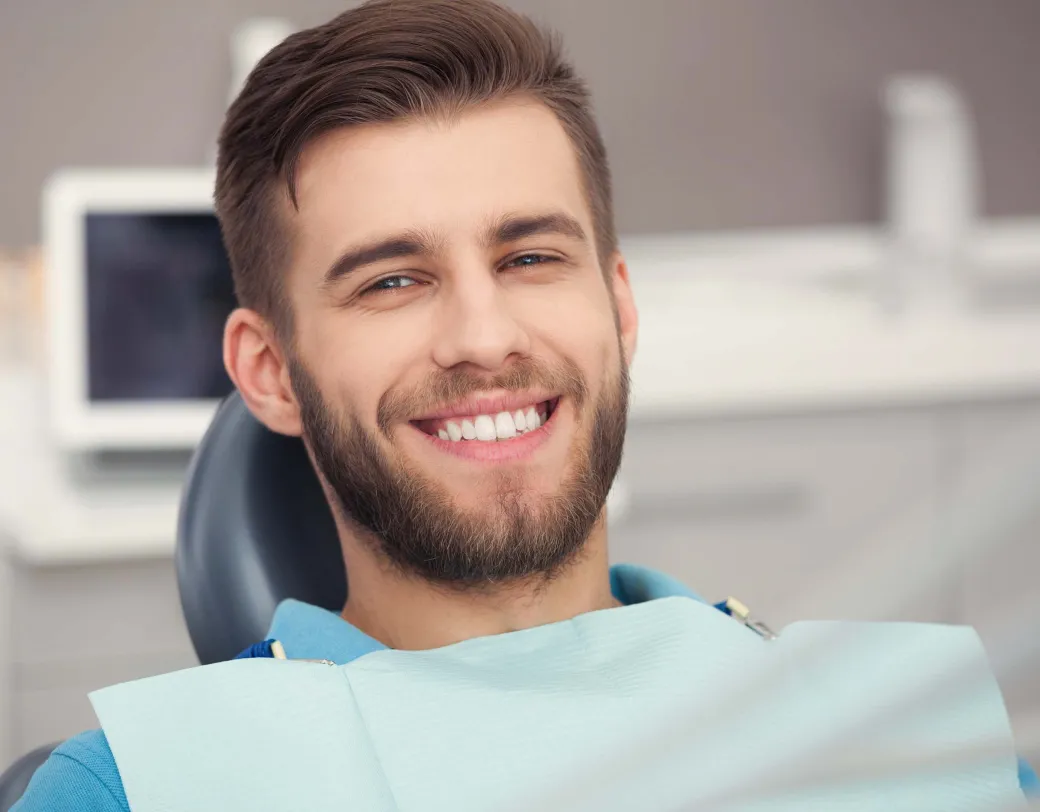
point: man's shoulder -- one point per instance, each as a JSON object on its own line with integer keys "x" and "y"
{"x": 81, "y": 774}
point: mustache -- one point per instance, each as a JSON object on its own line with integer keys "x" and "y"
{"x": 564, "y": 378}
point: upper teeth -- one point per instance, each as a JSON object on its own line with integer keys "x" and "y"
{"x": 502, "y": 426}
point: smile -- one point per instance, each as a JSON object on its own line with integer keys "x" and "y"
{"x": 492, "y": 429}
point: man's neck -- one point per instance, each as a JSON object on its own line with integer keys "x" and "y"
{"x": 405, "y": 612}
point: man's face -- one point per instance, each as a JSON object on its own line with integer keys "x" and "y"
{"x": 460, "y": 359}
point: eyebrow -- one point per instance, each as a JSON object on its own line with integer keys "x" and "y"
{"x": 516, "y": 227}
{"x": 410, "y": 244}
{"x": 415, "y": 244}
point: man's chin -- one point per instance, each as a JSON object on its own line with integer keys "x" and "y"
{"x": 501, "y": 495}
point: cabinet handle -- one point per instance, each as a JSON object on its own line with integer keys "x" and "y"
{"x": 766, "y": 502}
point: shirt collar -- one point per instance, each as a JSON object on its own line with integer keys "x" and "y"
{"x": 311, "y": 633}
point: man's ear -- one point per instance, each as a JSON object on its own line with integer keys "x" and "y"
{"x": 624, "y": 304}
{"x": 256, "y": 363}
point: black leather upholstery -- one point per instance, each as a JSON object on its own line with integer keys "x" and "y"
{"x": 16, "y": 777}
{"x": 254, "y": 529}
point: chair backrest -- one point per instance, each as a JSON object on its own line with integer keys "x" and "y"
{"x": 16, "y": 777}
{"x": 254, "y": 529}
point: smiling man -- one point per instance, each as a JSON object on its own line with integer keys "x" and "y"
{"x": 458, "y": 351}
{"x": 416, "y": 202}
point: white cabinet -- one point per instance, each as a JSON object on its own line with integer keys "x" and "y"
{"x": 79, "y": 628}
{"x": 996, "y": 463}
{"x": 786, "y": 513}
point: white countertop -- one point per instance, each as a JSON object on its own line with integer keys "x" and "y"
{"x": 749, "y": 347}
{"x": 730, "y": 324}
{"x": 46, "y": 513}
{"x": 775, "y": 322}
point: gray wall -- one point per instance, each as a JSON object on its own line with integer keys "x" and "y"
{"x": 719, "y": 113}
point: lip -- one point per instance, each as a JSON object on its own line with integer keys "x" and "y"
{"x": 489, "y": 404}
{"x": 512, "y": 450}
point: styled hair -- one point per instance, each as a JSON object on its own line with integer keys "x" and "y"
{"x": 384, "y": 61}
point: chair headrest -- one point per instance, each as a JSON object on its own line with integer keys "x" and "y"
{"x": 254, "y": 529}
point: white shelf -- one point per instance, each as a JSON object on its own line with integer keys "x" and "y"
{"x": 44, "y": 510}
{"x": 734, "y": 324}
{"x": 740, "y": 347}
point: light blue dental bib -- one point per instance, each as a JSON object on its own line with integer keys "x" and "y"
{"x": 660, "y": 705}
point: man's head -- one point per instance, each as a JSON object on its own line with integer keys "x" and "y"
{"x": 416, "y": 203}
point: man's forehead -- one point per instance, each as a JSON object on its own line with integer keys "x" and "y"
{"x": 446, "y": 176}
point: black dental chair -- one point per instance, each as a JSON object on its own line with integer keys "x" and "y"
{"x": 254, "y": 529}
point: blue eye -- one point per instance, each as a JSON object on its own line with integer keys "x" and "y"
{"x": 529, "y": 260}
{"x": 392, "y": 283}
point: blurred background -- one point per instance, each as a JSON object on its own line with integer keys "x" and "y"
{"x": 831, "y": 211}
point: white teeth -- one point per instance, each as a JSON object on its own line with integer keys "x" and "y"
{"x": 505, "y": 428}
{"x": 502, "y": 426}
{"x": 485, "y": 427}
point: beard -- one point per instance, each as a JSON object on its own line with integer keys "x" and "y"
{"x": 411, "y": 520}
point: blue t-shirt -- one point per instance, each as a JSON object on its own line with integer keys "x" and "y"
{"x": 81, "y": 774}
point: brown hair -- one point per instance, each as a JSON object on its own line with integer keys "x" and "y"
{"x": 383, "y": 61}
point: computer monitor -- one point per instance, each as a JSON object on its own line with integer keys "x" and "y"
{"x": 138, "y": 288}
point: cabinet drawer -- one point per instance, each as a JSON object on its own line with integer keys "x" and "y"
{"x": 786, "y": 513}
{"x": 838, "y": 467}
{"x": 998, "y": 465}
{"x": 998, "y": 479}
{"x": 96, "y": 611}
{"x": 50, "y": 703}
{"x": 48, "y": 717}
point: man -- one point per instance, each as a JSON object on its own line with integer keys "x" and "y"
{"x": 416, "y": 203}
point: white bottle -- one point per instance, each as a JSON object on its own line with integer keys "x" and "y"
{"x": 932, "y": 190}
{"x": 250, "y": 42}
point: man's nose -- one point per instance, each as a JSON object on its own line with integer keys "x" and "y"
{"x": 476, "y": 324}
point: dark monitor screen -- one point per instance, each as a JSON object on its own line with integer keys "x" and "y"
{"x": 159, "y": 290}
